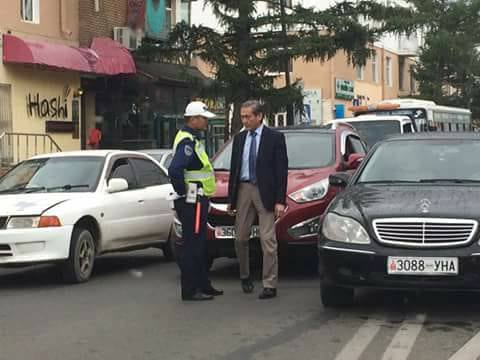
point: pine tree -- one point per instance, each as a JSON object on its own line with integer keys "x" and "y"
{"x": 448, "y": 69}
{"x": 253, "y": 45}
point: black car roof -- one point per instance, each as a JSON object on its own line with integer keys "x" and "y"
{"x": 436, "y": 136}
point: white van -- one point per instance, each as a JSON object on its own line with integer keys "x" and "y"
{"x": 374, "y": 128}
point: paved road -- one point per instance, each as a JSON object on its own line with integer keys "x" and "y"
{"x": 130, "y": 310}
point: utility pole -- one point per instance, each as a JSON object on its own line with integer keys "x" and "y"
{"x": 286, "y": 57}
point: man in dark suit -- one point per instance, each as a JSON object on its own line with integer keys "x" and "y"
{"x": 258, "y": 186}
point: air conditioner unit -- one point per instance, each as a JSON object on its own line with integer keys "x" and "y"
{"x": 129, "y": 38}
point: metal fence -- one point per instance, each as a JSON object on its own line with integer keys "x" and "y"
{"x": 16, "y": 147}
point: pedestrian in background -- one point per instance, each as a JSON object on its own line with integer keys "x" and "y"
{"x": 95, "y": 137}
{"x": 193, "y": 180}
{"x": 257, "y": 188}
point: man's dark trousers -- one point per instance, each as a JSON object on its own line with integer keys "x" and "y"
{"x": 192, "y": 251}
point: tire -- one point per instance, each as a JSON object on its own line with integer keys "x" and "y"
{"x": 333, "y": 296}
{"x": 79, "y": 266}
{"x": 169, "y": 247}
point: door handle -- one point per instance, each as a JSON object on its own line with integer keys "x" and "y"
{"x": 141, "y": 201}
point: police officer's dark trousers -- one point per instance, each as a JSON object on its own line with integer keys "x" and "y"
{"x": 192, "y": 251}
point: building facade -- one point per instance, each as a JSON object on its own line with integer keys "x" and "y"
{"x": 24, "y": 88}
{"x": 43, "y": 64}
{"x": 142, "y": 111}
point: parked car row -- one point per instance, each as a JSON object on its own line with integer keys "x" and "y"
{"x": 314, "y": 154}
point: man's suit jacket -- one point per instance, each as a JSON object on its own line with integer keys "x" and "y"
{"x": 272, "y": 168}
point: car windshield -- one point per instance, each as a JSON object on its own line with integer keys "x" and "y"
{"x": 373, "y": 131}
{"x": 305, "y": 151}
{"x": 79, "y": 174}
{"x": 424, "y": 161}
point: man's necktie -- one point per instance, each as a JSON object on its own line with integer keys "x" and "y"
{"x": 252, "y": 158}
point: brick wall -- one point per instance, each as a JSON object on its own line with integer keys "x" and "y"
{"x": 94, "y": 24}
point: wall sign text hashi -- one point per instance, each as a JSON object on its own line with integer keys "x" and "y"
{"x": 56, "y": 107}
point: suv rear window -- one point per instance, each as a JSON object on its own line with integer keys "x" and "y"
{"x": 305, "y": 151}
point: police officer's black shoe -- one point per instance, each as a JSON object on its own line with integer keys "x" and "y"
{"x": 212, "y": 291}
{"x": 197, "y": 297}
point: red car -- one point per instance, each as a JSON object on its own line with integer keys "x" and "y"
{"x": 314, "y": 153}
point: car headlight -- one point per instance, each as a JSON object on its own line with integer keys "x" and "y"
{"x": 344, "y": 229}
{"x": 30, "y": 222}
{"x": 312, "y": 192}
{"x": 306, "y": 228}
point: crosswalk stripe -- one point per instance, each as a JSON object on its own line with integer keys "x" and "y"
{"x": 404, "y": 339}
{"x": 469, "y": 351}
{"x": 362, "y": 338}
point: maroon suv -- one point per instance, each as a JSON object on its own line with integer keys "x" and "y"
{"x": 314, "y": 153}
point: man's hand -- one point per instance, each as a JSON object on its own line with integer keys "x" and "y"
{"x": 279, "y": 210}
{"x": 230, "y": 211}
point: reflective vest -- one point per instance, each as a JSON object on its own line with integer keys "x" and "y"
{"x": 205, "y": 175}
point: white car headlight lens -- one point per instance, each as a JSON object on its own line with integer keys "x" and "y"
{"x": 23, "y": 222}
{"x": 312, "y": 192}
{"x": 344, "y": 229}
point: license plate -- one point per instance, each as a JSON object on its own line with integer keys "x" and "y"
{"x": 422, "y": 265}
{"x": 228, "y": 232}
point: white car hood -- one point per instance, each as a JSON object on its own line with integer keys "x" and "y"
{"x": 32, "y": 204}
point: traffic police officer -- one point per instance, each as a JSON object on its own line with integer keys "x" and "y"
{"x": 193, "y": 180}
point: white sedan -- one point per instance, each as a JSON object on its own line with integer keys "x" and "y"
{"x": 70, "y": 207}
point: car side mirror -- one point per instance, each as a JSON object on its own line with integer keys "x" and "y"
{"x": 354, "y": 161}
{"x": 340, "y": 179}
{"x": 117, "y": 185}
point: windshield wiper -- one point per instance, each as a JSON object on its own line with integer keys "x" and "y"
{"x": 456, "y": 181}
{"x": 68, "y": 187}
{"x": 23, "y": 188}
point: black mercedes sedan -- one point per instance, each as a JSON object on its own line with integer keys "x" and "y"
{"x": 408, "y": 219}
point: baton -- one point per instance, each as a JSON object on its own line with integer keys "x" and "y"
{"x": 198, "y": 212}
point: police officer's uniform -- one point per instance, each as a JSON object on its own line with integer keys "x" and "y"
{"x": 190, "y": 164}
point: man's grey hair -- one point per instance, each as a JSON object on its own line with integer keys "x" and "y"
{"x": 255, "y": 105}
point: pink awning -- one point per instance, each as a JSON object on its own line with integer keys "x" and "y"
{"x": 105, "y": 57}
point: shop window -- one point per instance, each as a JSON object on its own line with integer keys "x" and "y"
{"x": 30, "y": 11}
{"x": 76, "y": 118}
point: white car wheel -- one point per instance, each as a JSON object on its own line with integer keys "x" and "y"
{"x": 78, "y": 268}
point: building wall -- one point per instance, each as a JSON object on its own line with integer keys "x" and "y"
{"x": 112, "y": 13}
{"x": 52, "y": 26}
{"x": 58, "y": 23}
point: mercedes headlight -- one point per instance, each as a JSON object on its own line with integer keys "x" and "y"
{"x": 344, "y": 229}
{"x": 312, "y": 192}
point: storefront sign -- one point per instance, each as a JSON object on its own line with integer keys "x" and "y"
{"x": 344, "y": 89}
{"x": 59, "y": 127}
{"x": 51, "y": 108}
